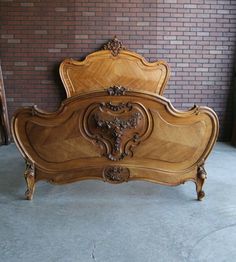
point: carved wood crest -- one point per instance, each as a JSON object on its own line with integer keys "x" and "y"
{"x": 114, "y": 45}
{"x": 117, "y": 127}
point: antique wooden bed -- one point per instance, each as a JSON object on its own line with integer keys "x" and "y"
{"x": 116, "y": 126}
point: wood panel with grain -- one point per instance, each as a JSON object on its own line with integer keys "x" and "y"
{"x": 116, "y": 138}
{"x": 102, "y": 69}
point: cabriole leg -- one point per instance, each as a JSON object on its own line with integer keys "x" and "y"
{"x": 201, "y": 177}
{"x": 30, "y": 180}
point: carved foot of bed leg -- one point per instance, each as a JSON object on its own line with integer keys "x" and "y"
{"x": 30, "y": 180}
{"x": 201, "y": 177}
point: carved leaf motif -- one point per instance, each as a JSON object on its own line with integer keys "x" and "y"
{"x": 116, "y": 91}
{"x": 117, "y": 128}
{"x": 117, "y": 107}
{"x": 116, "y": 174}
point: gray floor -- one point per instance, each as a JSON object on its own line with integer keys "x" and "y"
{"x": 137, "y": 221}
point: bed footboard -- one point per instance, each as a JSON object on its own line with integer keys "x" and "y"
{"x": 115, "y": 135}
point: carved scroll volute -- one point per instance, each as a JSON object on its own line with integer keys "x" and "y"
{"x": 116, "y": 174}
{"x": 117, "y": 127}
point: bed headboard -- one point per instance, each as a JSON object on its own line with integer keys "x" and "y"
{"x": 113, "y": 66}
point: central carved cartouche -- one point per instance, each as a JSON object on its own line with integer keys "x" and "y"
{"x": 116, "y": 128}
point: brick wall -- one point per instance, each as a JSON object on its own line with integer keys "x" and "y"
{"x": 196, "y": 37}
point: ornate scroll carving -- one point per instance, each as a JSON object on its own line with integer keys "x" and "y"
{"x": 201, "y": 177}
{"x": 116, "y": 91}
{"x": 114, "y": 45}
{"x": 117, "y": 128}
{"x": 30, "y": 179}
{"x": 116, "y": 174}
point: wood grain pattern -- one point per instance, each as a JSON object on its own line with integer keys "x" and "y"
{"x": 62, "y": 151}
{"x": 101, "y": 70}
{"x": 115, "y": 133}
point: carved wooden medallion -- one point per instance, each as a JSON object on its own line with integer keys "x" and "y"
{"x": 116, "y": 174}
{"x": 117, "y": 128}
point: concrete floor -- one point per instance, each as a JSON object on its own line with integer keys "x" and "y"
{"x": 91, "y": 221}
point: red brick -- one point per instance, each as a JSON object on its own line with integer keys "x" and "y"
{"x": 196, "y": 37}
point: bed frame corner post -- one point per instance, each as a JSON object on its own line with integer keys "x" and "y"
{"x": 30, "y": 179}
{"x": 201, "y": 177}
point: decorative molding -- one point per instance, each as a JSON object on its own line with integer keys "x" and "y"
{"x": 116, "y": 91}
{"x": 195, "y": 109}
{"x": 116, "y": 174}
{"x": 114, "y": 45}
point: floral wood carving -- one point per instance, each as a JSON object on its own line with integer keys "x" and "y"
{"x": 116, "y": 174}
{"x": 116, "y": 91}
{"x": 117, "y": 128}
{"x": 117, "y": 107}
{"x": 114, "y": 45}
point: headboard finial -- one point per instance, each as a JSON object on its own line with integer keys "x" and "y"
{"x": 114, "y": 45}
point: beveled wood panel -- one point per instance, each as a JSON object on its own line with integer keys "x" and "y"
{"x": 101, "y": 70}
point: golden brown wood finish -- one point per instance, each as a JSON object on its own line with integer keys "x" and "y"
{"x": 117, "y": 66}
{"x": 162, "y": 145}
{"x": 115, "y": 134}
{"x": 4, "y": 122}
